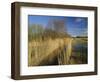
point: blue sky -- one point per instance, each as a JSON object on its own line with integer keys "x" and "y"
{"x": 75, "y": 26}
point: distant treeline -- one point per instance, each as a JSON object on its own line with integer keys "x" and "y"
{"x": 81, "y": 37}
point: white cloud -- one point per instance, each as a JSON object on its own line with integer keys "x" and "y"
{"x": 79, "y": 19}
